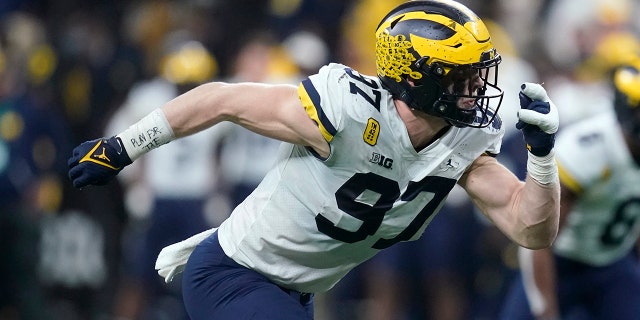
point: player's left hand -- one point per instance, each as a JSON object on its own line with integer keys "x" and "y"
{"x": 538, "y": 119}
{"x": 96, "y": 162}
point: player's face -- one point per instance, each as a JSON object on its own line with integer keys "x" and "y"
{"x": 472, "y": 89}
{"x": 466, "y": 83}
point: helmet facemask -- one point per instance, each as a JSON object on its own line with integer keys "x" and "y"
{"x": 464, "y": 95}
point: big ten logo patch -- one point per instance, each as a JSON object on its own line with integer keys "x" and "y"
{"x": 372, "y": 131}
{"x": 381, "y": 160}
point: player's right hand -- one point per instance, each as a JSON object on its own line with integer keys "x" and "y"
{"x": 96, "y": 162}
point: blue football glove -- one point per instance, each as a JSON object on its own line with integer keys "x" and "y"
{"x": 538, "y": 119}
{"x": 96, "y": 162}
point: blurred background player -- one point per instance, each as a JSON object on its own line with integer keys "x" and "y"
{"x": 261, "y": 57}
{"x": 581, "y": 41}
{"x": 171, "y": 194}
{"x": 593, "y": 270}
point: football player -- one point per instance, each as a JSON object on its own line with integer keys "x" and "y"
{"x": 592, "y": 271}
{"x": 366, "y": 163}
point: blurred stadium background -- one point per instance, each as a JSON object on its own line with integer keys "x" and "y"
{"x": 68, "y": 67}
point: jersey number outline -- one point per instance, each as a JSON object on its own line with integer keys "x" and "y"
{"x": 389, "y": 191}
{"x": 372, "y": 216}
{"x": 626, "y": 215}
{"x": 353, "y": 88}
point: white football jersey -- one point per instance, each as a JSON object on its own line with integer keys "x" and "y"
{"x": 594, "y": 161}
{"x": 311, "y": 220}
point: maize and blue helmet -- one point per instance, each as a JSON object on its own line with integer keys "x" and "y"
{"x": 426, "y": 53}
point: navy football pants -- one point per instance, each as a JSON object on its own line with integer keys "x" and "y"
{"x": 216, "y": 287}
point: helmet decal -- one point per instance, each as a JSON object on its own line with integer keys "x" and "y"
{"x": 393, "y": 58}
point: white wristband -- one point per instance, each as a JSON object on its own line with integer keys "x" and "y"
{"x": 147, "y": 134}
{"x": 542, "y": 169}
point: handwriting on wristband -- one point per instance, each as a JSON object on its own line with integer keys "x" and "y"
{"x": 148, "y": 140}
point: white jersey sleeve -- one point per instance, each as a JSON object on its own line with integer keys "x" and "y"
{"x": 594, "y": 162}
{"x": 312, "y": 219}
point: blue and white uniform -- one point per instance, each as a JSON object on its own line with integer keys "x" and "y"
{"x": 311, "y": 220}
{"x": 595, "y": 162}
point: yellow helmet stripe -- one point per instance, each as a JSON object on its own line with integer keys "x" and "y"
{"x": 476, "y": 27}
{"x": 628, "y": 82}
{"x": 311, "y": 102}
{"x": 448, "y": 49}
